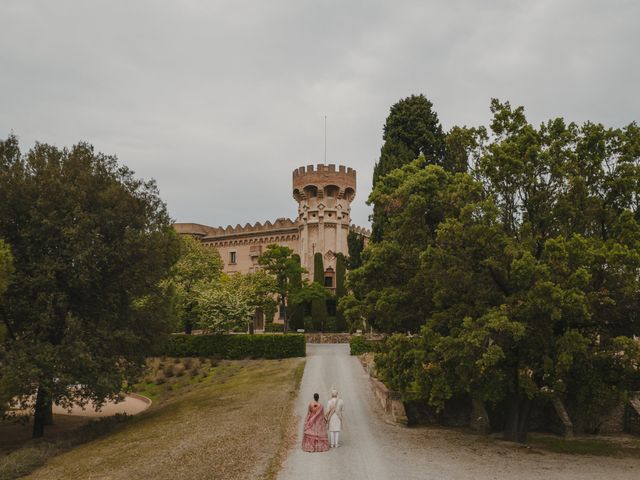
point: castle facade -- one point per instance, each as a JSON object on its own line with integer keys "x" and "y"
{"x": 324, "y": 194}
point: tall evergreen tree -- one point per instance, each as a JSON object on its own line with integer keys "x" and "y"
{"x": 296, "y": 310}
{"x": 411, "y": 129}
{"x": 341, "y": 323}
{"x": 279, "y": 262}
{"x": 355, "y": 244}
{"x": 318, "y": 305}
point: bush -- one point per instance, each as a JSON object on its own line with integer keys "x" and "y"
{"x": 234, "y": 347}
{"x": 308, "y": 324}
{"x": 274, "y": 327}
{"x": 359, "y": 345}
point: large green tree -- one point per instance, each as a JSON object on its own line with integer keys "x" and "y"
{"x": 197, "y": 265}
{"x": 296, "y": 309}
{"x": 6, "y": 270}
{"x": 278, "y": 261}
{"x": 522, "y": 273}
{"x": 341, "y": 291}
{"x": 230, "y": 302}
{"x": 411, "y": 129}
{"x": 91, "y": 246}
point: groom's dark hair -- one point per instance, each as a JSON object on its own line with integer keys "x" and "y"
{"x": 316, "y": 397}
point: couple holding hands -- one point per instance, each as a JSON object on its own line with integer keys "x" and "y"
{"x": 314, "y": 437}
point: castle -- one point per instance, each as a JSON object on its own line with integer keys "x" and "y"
{"x": 324, "y": 194}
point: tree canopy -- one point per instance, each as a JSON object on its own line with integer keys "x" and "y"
{"x": 197, "y": 265}
{"x": 411, "y": 129}
{"x": 230, "y": 302}
{"x": 279, "y": 261}
{"x": 91, "y": 244}
{"x": 521, "y": 273}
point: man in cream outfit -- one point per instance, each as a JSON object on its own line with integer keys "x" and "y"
{"x": 333, "y": 414}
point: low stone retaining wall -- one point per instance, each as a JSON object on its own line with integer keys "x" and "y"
{"x": 389, "y": 400}
{"x": 327, "y": 337}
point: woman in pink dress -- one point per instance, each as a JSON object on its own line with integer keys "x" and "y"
{"x": 314, "y": 436}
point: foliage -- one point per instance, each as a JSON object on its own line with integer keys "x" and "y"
{"x": 197, "y": 265}
{"x": 355, "y": 244}
{"x": 353, "y": 312}
{"x": 91, "y": 245}
{"x": 278, "y": 261}
{"x": 341, "y": 322}
{"x": 231, "y": 302}
{"x": 6, "y": 267}
{"x": 233, "y": 347}
{"x": 318, "y": 304}
{"x": 521, "y": 274}
{"x": 358, "y": 345}
{"x": 412, "y": 129}
{"x": 296, "y": 309}
{"x": 6, "y": 270}
{"x": 271, "y": 327}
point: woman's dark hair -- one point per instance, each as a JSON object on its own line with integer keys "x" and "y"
{"x": 316, "y": 397}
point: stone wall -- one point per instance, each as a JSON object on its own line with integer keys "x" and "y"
{"x": 389, "y": 400}
{"x": 327, "y": 337}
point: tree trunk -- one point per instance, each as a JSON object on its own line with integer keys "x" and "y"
{"x": 188, "y": 323}
{"x": 40, "y": 413}
{"x": 49, "y": 412}
{"x": 479, "y": 417}
{"x": 517, "y": 424}
{"x": 284, "y": 312}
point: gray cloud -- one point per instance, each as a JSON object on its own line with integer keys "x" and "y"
{"x": 220, "y": 100}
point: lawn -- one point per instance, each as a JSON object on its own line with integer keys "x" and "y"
{"x": 226, "y": 420}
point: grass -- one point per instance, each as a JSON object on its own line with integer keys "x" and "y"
{"x": 34, "y": 453}
{"x": 601, "y": 446}
{"x": 227, "y": 421}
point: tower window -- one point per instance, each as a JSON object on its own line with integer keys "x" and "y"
{"x": 328, "y": 282}
{"x": 232, "y": 258}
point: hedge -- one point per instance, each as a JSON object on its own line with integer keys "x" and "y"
{"x": 359, "y": 344}
{"x": 235, "y": 347}
{"x": 274, "y": 327}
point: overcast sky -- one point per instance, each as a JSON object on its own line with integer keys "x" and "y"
{"x": 220, "y": 100}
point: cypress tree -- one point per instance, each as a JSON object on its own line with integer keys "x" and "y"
{"x": 318, "y": 305}
{"x": 341, "y": 323}
{"x": 355, "y": 243}
{"x": 412, "y": 128}
{"x": 296, "y": 310}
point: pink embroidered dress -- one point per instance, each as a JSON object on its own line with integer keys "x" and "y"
{"x": 314, "y": 436}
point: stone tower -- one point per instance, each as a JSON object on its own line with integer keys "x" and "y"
{"x": 324, "y": 194}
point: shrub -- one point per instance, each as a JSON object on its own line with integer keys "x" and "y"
{"x": 274, "y": 327}
{"x": 308, "y": 324}
{"x": 359, "y": 345}
{"x": 234, "y": 347}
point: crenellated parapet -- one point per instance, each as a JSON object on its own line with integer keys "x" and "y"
{"x": 324, "y": 181}
{"x": 205, "y": 232}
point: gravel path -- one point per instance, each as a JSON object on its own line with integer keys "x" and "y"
{"x": 372, "y": 449}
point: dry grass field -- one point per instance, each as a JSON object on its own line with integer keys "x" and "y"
{"x": 208, "y": 421}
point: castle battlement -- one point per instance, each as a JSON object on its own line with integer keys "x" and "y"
{"x": 203, "y": 231}
{"x": 324, "y": 180}
{"x": 321, "y": 168}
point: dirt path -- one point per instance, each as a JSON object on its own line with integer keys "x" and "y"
{"x": 372, "y": 449}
